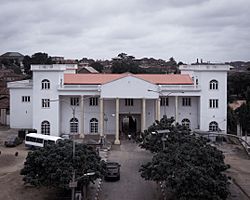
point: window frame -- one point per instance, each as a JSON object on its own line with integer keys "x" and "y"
{"x": 213, "y": 126}
{"x": 129, "y": 102}
{"x": 186, "y": 122}
{"x": 45, "y": 84}
{"x": 93, "y": 101}
{"x": 186, "y": 102}
{"x": 25, "y": 99}
{"x": 164, "y": 101}
{"x": 45, "y": 103}
{"x": 74, "y": 101}
{"x": 74, "y": 125}
{"x": 45, "y": 127}
{"x": 93, "y": 122}
{"x": 213, "y": 85}
{"x": 213, "y": 103}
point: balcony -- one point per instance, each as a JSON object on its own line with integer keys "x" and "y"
{"x": 79, "y": 88}
{"x": 180, "y": 88}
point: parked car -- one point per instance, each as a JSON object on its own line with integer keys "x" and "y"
{"x": 112, "y": 171}
{"x": 13, "y": 141}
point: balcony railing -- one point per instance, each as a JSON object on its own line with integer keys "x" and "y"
{"x": 79, "y": 87}
{"x": 181, "y": 88}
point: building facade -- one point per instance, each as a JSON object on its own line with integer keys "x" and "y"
{"x": 57, "y": 101}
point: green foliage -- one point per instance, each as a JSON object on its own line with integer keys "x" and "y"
{"x": 53, "y": 165}
{"x": 152, "y": 142}
{"x": 126, "y": 65}
{"x": 231, "y": 121}
{"x": 41, "y": 58}
{"x": 189, "y": 166}
{"x": 37, "y": 58}
{"x": 97, "y": 66}
{"x": 238, "y": 84}
{"x": 243, "y": 115}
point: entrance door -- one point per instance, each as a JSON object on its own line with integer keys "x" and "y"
{"x": 129, "y": 125}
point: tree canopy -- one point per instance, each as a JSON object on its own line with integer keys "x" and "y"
{"x": 37, "y": 58}
{"x": 154, "y": 143}
{"x": 126, "y": 63}
{"x": 53, "y": 165}
{"x": 188, "y": 165}
{"x": 97, "y": 66}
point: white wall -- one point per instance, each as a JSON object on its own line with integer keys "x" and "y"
{"x": 213, "y": 114}
{"x": 50, "y": 114}
{"x": 189, "y": 112}
{"x": 129, "y": 87}
{"x": 20, "y": 112}
{"x": 206, "y": 114}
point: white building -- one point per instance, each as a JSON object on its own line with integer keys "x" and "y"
{"x": 58, "y": 101}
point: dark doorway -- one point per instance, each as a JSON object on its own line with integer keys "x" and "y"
{"x": 129, "y": 124}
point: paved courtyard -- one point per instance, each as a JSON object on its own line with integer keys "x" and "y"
{"x": 131, "y": 186}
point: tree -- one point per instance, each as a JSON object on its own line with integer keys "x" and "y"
{"x": 26, "y": 64}
{"x": 154, "y": 142}
{"x": 97, "y": 66}
{"x": 126, "y": 64}
{"x": 189, "y": 166}
{"x": 247, "y": 94}
{"x": 37, "y": 58}
{"x": 231, "y": 121}
{"x": 243, "y": 115}
{"x": 41, "y": 58}
{"x": 171, "y": 62}
{"x": 53, "y": 165}
{"x": 192, "y": 171}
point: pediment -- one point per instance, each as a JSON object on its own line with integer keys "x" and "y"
{"x": 128, "y": 87}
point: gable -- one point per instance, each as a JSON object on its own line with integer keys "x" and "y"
{"x": 128, "y": 87}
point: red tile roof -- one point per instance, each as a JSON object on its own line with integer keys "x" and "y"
{"x": 99, "y": 79}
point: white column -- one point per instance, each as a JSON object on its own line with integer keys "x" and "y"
{"x": 176, "y": 109}
{"x": 101, "y": 117}
{"x": 143, "y": 115}
{"x": 158, "y": 109}
{"x": 117, "y": 140}
{"x": 81, "y": 124}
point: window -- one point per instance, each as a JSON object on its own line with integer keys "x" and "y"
{"x": 186, "y": 122}
{"x": 213, "y": 85}
{"x": 45, "y": 103}
{"x": 186, "y": 101}
{"x": 93, "y": 125}
{"x": 129, "y": 102}
{"x": 74, "y": 125}
{"x": 213, "y": 126}
{"x": 25, "y": 98}
{"x": 93, "y": 101}
{"x": 164, "y": 101}
{"x": 45, "y": 84}
{"x": 45, "y": 128}
{"x": 74, "y": 101}
{"x": 213, "y": 103}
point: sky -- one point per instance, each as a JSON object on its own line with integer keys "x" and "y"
{"x": 212, "y": 30}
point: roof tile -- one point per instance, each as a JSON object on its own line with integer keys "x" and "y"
{"x": 99, "y": 79}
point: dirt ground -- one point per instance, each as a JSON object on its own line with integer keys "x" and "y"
{"x": 12, "y": 187}
{"x": 239, "y": 170}
{"x": 11, "y": 184}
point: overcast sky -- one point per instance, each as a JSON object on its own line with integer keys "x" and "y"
{"x": 215, "y": 30}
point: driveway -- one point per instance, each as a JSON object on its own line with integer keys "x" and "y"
{"x": 131, "y": 186}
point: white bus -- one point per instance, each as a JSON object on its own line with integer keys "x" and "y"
{"x": 34, "y": 140}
